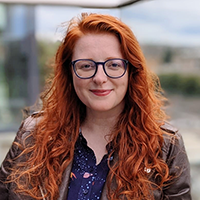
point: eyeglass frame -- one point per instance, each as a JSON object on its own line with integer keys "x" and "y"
{"x": 100, "y": 63}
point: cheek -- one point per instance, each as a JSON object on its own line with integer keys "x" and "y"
{"x": 76, "y": 84}
{"x": 79, "y": 86}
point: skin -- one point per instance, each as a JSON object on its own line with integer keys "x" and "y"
{"x": 103, "y": 96}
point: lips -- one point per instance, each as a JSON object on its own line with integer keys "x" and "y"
{"x": 101, "y": 92}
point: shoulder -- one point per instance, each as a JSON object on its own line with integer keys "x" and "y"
{"x": 28, "y": 125}
{"x": 173, "y": 143}
{"x": 170, "y": 134}
{"x": 30, "y": 122}
{"x": 167, "y": 127}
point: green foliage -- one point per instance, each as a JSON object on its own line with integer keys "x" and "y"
{"x": 179, "y": 83}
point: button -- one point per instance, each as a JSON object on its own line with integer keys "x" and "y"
{"x": 85, "y": 191}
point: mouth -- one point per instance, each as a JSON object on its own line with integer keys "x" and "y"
{"x": 101, "y": 92}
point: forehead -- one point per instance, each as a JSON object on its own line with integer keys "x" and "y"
{"x": 98, "y": 46}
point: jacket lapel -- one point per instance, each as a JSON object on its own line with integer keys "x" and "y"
{"x": 104, "y": 193}
{"x": 65, "y": 183}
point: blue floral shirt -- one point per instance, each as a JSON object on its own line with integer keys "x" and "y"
{"x": 86, "y": 179}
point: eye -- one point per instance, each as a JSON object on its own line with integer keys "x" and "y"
{"x": 114, "y": 64}
{"x": 85, "y": 65}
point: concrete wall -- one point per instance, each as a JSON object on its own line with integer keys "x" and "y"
{"x": 6, "y": 140}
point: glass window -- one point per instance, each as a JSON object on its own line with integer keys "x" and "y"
{"x": 19, "y": 71}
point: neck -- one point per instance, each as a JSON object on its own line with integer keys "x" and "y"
{"x": 100, "y": 122}
{"x": 97, "y": 129}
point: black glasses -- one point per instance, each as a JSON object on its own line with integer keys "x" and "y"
{"x": 86, "y": 68}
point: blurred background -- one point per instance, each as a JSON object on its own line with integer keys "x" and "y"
{"x": 167, "y": 30}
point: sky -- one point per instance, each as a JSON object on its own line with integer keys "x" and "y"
{"x": 174, "y": 22}
{"x": 168, "y": 22}
{"x": 50, "y": 19}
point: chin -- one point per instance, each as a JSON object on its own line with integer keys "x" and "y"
{"x": 100, "y": 108}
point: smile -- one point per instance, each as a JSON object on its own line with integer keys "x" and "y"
{"x": 101, "y": 92}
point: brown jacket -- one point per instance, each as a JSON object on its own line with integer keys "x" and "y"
{"x": 173, "y": 154}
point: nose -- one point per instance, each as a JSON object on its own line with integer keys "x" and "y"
{"x": 100, "y": 76}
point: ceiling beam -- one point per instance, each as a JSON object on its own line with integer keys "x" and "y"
{"x": 78, "y": 3}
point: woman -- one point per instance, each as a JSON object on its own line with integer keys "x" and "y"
{"x": 101, "y": 133}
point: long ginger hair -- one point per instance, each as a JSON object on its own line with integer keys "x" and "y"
{"x": 136, "y": 138}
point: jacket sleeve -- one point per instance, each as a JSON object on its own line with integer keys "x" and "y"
{"x": 178, "y": 188}
{"x": 12, "y": 157}
{"x": 7, "y": 164}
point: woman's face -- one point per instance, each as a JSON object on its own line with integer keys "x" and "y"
{"x": 100, "y": 93}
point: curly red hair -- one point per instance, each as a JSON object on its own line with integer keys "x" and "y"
{"x": 137, "y": 137}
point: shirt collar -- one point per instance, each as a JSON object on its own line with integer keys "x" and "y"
{"x": 82, "y": 140}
